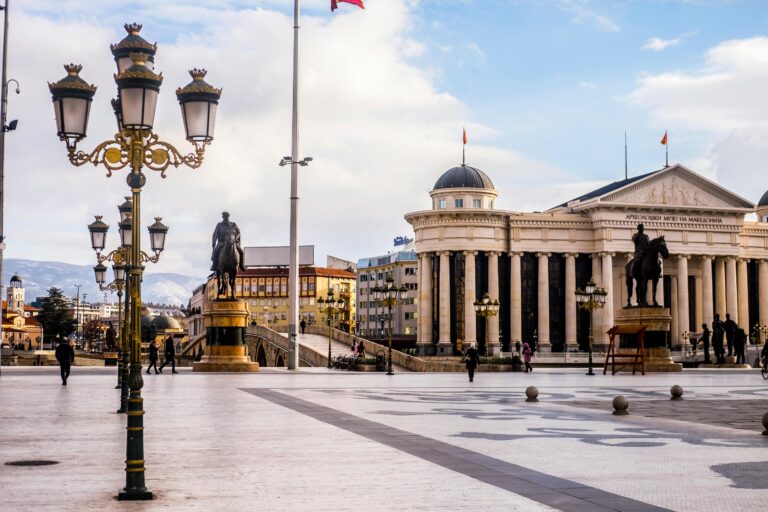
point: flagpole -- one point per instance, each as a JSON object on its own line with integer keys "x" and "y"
{"x": 625, "y": 155}
{"x": 293, "y": 268}
{"x": 666, "y": 149}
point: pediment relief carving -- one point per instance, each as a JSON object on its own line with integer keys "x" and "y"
{"x": 676, "y": 188}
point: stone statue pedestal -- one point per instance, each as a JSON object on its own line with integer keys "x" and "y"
{"x": 225, "y": 325}
{"x": 657, "y": 321}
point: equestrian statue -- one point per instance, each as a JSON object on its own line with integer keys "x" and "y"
{"x": 645, "y": 266}
{"x": 227, "y": 255}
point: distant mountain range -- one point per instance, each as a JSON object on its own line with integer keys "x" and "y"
{"x": 38, "y": 276}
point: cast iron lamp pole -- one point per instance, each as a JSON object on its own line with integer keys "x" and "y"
{"x": 135, "y": 146}
{"x": 330, "y": 307}
{"x": 590, "y": 299}
{"x": 486, "y": 309}
{"x": 390, "y": 295}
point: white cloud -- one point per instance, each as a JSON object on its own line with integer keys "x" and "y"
{"x": 475, "y": 49}
{"x": 720, "y": 107}
{"x": 590, "y": 86}
{"x": 583, "y": 13}
{"x": 379, "y": 130}
{"x": 658, "y": 44}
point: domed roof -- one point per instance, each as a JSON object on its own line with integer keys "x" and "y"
{"x": 147, "y": 319}
{"x": 463, "y": 176}
{"x": 165, "y": 323}
{"x": 15, "y": 278}
{"x": 763, "y": 200}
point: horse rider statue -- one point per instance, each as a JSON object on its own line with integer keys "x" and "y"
{"x": 641, "y": 241}
{"x": 220, "y": 234}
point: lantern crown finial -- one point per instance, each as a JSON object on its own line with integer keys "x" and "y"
{"x": 139, "y": 58}
{"x": 198, "y": 74}
{"x": 132, "y": 28}
{"x": 73, "y": 69}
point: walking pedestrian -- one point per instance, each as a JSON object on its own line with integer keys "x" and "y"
{"x": 360, "y": 349}
{"x": 739, "y": 341}
{"x": 729, "y": 326}
{"x": 152, "y": 357}
{"x": 717, "y": 340}
{"x": 527, "y": 353}
{"x": 354, "y": 348}
{"x": 472, "y": 359}
{"x": 66, "y": 357}
{"x": 705, "y": 341}
{"x": 170, "y": 355}
{"x": 303, "y": 325}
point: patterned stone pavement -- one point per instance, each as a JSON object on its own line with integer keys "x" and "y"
{"x": 342, "y": 441}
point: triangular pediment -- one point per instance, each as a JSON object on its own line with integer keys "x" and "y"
{"x": 676, "y": 186}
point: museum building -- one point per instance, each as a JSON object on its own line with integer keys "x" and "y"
{"x": 532, "y": 263}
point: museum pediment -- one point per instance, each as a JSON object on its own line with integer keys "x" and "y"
{"x": 676, "y": 187}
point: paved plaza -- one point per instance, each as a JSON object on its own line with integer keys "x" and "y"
{"x": 329, "y": 440}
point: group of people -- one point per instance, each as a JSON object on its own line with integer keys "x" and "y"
{"x": 170, "y": 356}
{"x": 725, "y": 334}
{"x": 472, "y": 359}
{"x": 358, "y": 349}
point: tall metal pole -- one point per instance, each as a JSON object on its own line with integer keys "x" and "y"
{"x": 3, "y": 114}
{"x": 293, "y": 269}
{"x": 126, "y": 343}
{"x": 389, "y": 363}
{"x": 77, "y": 311}
{"x": 119, "y": 335}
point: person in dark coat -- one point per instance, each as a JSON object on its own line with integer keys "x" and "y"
{"x": 705, "y": 342}
{"x": 739, "y": 341}
{"x": 729, "y": 326}
{"x": 717, "y": 340}
{"x": 472, "y": 359}
{"x": 66, "y": 357}
{"x": 153, "y": 353}
{"x": 303, "y": 325}
{"x": 170, "y": 355}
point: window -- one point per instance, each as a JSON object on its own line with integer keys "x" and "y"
{"x": 442, "y": 204}
{"x": 492, "y": 204}
{"x": 459, "y": 203}
{"x": 410, "y": 271}
{"x": 477, "y": 203}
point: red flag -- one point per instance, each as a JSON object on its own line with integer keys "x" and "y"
{"x": 465, "y": 136}
{"x": 335, "y": 3}
{"x": 664, "y": 140}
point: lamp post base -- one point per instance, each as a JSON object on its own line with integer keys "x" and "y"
{"x": 140, "y": 494}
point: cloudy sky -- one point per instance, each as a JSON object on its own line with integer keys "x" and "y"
{"x": 545, "y": 88}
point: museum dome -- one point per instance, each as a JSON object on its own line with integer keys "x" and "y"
{"x": 166, "y": 323}
{"x": 15, "y": 279}
{"x": 763, "y": 200}
{"x": 463, "y": 176}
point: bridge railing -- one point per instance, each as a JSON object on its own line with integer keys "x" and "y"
{"x": 306, "y": 355}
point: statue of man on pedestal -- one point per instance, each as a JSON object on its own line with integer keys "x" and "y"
{"x": 224, "y": 230}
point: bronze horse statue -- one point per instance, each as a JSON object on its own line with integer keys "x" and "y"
{"x": 227, "y": 264}
{"x": 650, "y": 269}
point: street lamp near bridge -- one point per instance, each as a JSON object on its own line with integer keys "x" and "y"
{"x": 136, "y": 147}
{"x": 330, "y": 306}
{"x": 590, "y": 299}
{"x": 390, "y": 295}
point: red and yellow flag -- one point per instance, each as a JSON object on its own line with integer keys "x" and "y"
{"x": 664, "y": 139}
{"x": 465, "y": 136}
{"x": 335, "y": 3}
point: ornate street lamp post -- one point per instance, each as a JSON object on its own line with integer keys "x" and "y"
{"x": 486, "y": 309}
{"x": 117, "y": 285}
{"x": 135, "y": 147}
{"x": 330, "y": 307}
{"x": 590, "y": 299}
{"x": 390, "y": 295}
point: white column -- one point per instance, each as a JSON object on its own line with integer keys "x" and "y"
{"x": 659, "y": 288}
{"x": 570, "y": 299}
{"x": 731, "y": 290}
{"x": 470, "y": 296}
{"x": 543, "y": 326}
{"x": 425, "y": 303}
{"x": 683, "y": 316}
{"x": 608, "y": 285}
{"x": 494, "y": 347}
{"x": 743, "y": 296}
{"x": 720, "y": 288}
{"x": 515, "y": 299}
{"x": 597, "y": 315}
{"x": 762, "y": 286}
{"x": 707, "y": 304}
{"x": 444, "y": 338}
{"x": 673, "y": 309}
{"x": 698, "y": 298}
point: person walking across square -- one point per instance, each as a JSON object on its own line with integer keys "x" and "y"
{"x": 152, "y": 357}
{"x": 170, "y": 355}
{"x": 527, "y": 353}
{"x": 739, "y": 342}
{"x": 729, "y": 326}
{"x": 705, "y": 342}
{"x": 66, "y": 357}
{"x": 472, "y": 359}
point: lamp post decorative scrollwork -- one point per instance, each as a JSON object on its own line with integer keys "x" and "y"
{"x": 390, "y": 295}
{"x": 330, "y": 306}
{"x": 486, "y": 308}
{"x": 135, "y": 147}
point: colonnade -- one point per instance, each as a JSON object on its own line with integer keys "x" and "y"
{"x": 729, "y": 294}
